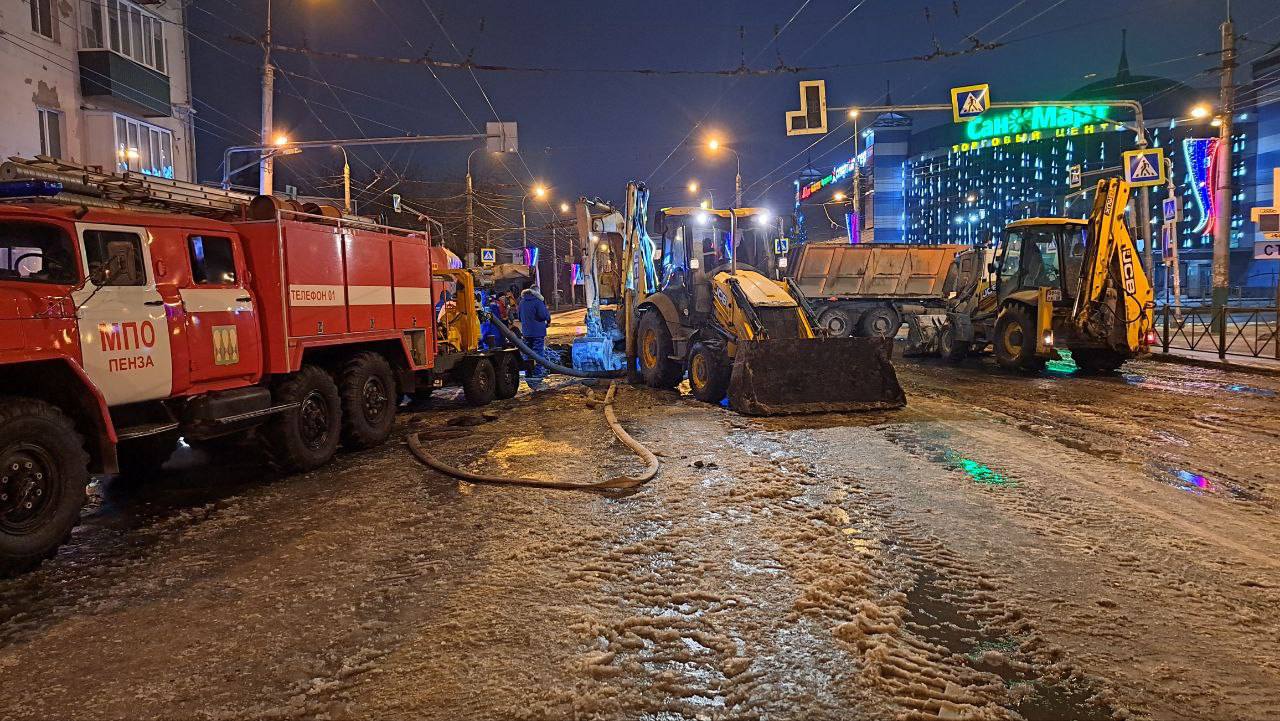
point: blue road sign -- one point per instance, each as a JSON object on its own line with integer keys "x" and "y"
{"x": 1144, "y": 167}
{"x": 488, "y": 256}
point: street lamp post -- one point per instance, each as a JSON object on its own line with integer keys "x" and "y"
{"x": 715, "y": 145}
{"x": 471, "y": 212}
{"x": 266, "y": 170}
{"x": 346, "y": 180}
{"x": 857, "y": 176}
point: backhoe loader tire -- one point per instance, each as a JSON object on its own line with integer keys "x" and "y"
{"x": 37, "y": 433}
{"x": 479, "y": 382}
{"x": 879, "y": 322}
{"x": 951, "y": 349}
{"x": 506, "y": 368}
{"x": 368, "y": 388}
{"x": 709, "y": 372}
{"x": 654, "y": 348}
{"x": 1097, "y": 361}
{"x": 305, "y": 437}
{"x": 838, "y": 322}
{"x": 1015, "y": 341}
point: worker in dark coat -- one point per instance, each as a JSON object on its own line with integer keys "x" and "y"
{"x": 534, "y": 319}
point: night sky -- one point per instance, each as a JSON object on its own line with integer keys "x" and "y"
{"x": 590, "y": 132}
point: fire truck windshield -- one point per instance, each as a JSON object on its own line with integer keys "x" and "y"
{"x": 35, "y": 252}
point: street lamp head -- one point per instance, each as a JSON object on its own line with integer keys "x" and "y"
{"x": 693, "y": 186}
{"x": 853, "y": 113}
{"x": 713, "y": 144}
{"x": 280, "y": 139}
{"x": 564, "y": 207}
{"x": 540, "y": 191}
{"x": 838, "y": 197}
{"x": 1200, "y": 111}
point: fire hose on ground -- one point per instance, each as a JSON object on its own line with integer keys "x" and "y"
{"x": 617, "y": 482}
{"x": 566, "y": 370}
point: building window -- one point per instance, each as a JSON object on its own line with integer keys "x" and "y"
{"x": 50, "y": 132}
{"x": 212, "y": 260}
{"x": 124, "y": 28}
{"x": 42, "y": 19}
{"x": 143, "y": 147}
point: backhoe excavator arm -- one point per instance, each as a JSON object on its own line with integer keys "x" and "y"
{"x": 1114, "y": 304}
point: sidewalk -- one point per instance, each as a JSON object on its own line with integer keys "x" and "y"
{"x": 1209, "y": 359}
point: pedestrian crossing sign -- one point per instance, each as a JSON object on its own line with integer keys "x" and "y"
{"x": 488, "y": 256}
{"x": 781, "y": 245}
{"x": 1144, "y": 167}
{"x": 970, "y": 101}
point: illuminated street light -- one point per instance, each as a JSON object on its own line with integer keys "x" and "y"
{"x": 853, "y": 113}
{"x": 539, "y": 190}
{"x": 1216, "y": 122}
{"x": 705, "y": 205}
{"x": 1200, "y": 111}
{"x": 281, "y": 139}
{"x": 713, "y": 144}
{"x": 693, "y": 186}
{"x": 564, "y": 207}
{"x": 838, "y": 197}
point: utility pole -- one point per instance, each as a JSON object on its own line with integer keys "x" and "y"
{"x": 265, "y": 180}
{"x": 1222, "y": 226}
{"x": 555, "y": 269}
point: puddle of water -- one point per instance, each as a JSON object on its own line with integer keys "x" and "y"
{"x": 1251, "y": 390}
{"x": 948, "y": 626}
{"x": 937, "y": 452}
{"x": 1192, "y": 387}
{"x": 1199, "y": 485}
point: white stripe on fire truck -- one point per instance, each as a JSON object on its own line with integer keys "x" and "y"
{"x": 317, "y": 295}
{"x": 201, "y": 300}
{"x": 369, "y": 294}
{"x": 413, "y": 296}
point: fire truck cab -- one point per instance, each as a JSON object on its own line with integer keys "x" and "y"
{"x": 123, "y": 329}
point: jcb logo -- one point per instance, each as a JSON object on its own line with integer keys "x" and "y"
{"x": 1126, "y": 270}
{"x": 226, "y": 346}
{"x": 126, "y": 336}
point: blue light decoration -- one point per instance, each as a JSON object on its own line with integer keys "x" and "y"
{"x": 1199, "y": 154}
{"x": 531, "y": 256}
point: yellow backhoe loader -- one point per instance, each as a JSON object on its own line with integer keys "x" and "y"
{"x": 1056, "y": 283}
{"x": 714, "y": 314}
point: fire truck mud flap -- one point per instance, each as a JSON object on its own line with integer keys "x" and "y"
{"x": 814, "y": 375}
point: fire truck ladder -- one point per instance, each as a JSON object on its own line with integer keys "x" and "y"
{"x": 91, "y": 185}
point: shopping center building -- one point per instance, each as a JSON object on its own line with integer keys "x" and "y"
{"x": 961, "y": 183}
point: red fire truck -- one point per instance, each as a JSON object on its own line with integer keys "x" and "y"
{"x": 124, "y": 328}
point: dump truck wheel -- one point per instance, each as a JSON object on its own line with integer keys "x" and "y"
{"x": 305, "y": 437}
{"x": 708, "y": 373}
{"x": 879, "y": 323}
{"x": 655, "y": 349}
{"x": 506, "y": 368}
{"x": 368, "y": 388}
{"x": 1015, "y": 340}
{"x": 479, "y": 382}
{"x": 838, "y": 322}
{"x": 950, "y": 348}
{"x": 42, "y": 482}
{"x": 1097, "y": 361}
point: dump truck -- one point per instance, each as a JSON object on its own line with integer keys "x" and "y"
{"x": 135, "y": 311}
{"x": 870, "y": 289}
{"x": 714, "y": 315}
{"x": 1055, "y": 284}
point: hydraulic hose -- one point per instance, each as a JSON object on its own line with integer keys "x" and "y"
{"x": 651, "y": 468}
{"x": 565, "y": 370}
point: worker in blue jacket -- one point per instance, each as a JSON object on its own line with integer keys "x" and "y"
{"x": 534, "y": 319}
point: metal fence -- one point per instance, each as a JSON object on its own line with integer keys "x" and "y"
{"x": 1252, "y": 331}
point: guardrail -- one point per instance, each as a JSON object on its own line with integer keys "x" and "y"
{"x": 1252, "y": 331}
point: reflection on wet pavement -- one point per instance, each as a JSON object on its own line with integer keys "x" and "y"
{"x": 931, "y": 448}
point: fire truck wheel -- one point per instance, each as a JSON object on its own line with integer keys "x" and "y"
{"x": 304, "y": 437}
{"x": 479, "y": 381}
{"x": 368, "y": 390}
{"x": 141, "y": 459}
{"x": 506, "y": 367}
{"x": 42, "y": 482}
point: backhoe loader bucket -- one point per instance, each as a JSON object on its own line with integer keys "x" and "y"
{"x": 814, "y": 375}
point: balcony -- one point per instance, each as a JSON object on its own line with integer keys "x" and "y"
{"x": 133, "y": 87}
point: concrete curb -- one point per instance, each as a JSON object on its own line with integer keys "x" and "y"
{"x": 1218, "y": 365}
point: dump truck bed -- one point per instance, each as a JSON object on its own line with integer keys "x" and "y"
{"x": 874, "y": 270}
